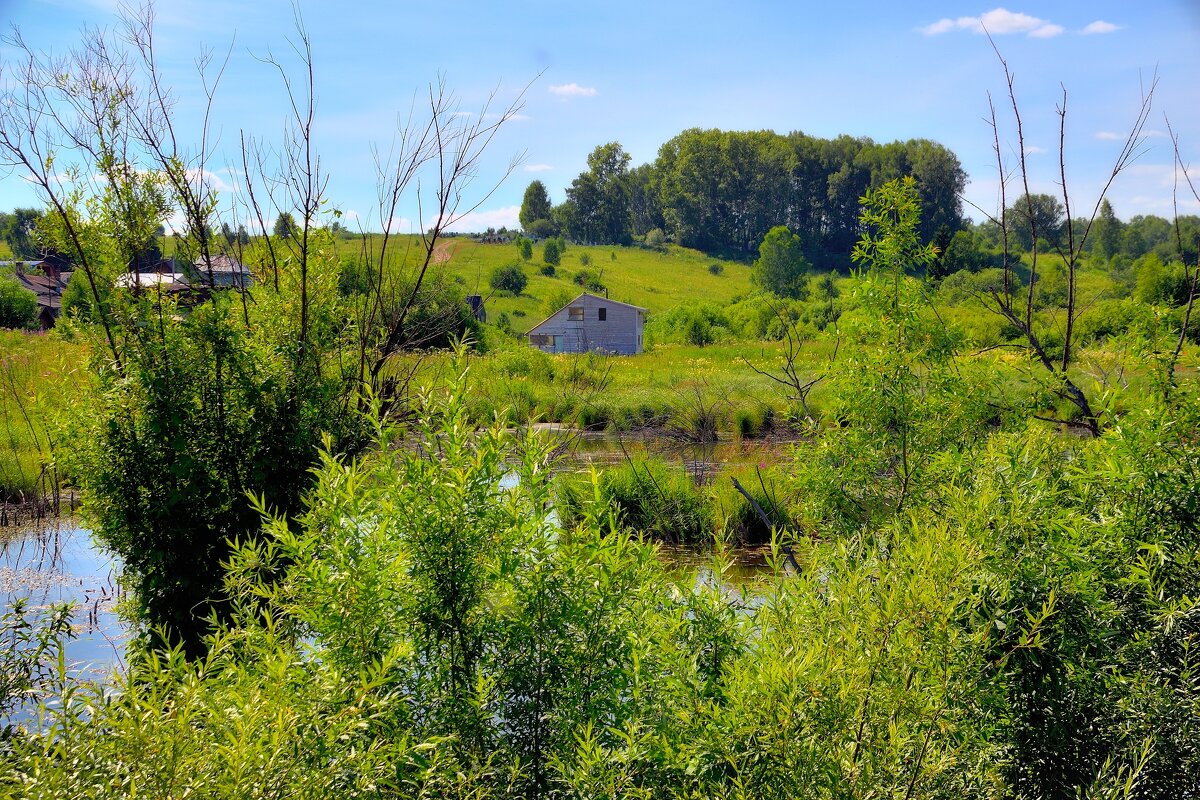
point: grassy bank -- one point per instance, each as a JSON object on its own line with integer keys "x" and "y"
{"x": 40, "y": 379}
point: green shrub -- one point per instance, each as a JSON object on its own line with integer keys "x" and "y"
{"x": 589, "y": 280}
{"x": 18, "y": 305}
{"x": 552, "y": 252}
{"x": 509, "y": 278}
{"x": 655, "y": 498}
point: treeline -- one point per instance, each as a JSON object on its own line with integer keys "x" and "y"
{"x": 722, "y": 191}
{"x": 1123, "y": 248}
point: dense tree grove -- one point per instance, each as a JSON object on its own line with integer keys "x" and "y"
{"x": 721, "y": 191}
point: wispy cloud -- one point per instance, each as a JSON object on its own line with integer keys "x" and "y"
{"x": 1046, "y": 31}
{"x": 998, "y": 22}
{"x": 1100, "y": 26}
{"x": 492, "y": 115}
{"x": 1033, "y": 150}
{"x": 537, "y": 167}
{"x": 1112, "y": 136}
{"x": 572, "y": 90}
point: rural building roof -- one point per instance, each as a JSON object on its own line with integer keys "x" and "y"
{"x": 605, "y": 300}
{"x": 222, "y": 263}
{"x": 162, "y": 280}
{"x": 40, "y": 284}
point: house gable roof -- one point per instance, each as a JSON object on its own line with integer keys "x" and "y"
{"x": 604, "y": 300}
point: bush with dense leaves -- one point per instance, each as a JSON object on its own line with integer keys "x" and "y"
{"x": 509, "y": 278}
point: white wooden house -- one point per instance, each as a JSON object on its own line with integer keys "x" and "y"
{"x": 591, "y": 323}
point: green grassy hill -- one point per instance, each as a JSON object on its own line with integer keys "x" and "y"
{"x": 654, "y": 280}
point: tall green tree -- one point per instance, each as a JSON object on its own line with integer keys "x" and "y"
{"x": 1036, "y": 214}
{"x": 535, "y": 205}
{"x": 285, "y": 226}
{"x": 781, "y": 267}
{"x": 1106, "y": 232}
{"x": 598, "y": 201}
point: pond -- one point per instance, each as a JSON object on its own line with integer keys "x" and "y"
{"x": 56, "y": 561}
{"x": 701, "y": 459}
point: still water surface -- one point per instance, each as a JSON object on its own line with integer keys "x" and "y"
{"x": 55, "y": 562}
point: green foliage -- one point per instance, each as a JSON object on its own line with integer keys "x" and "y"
{"x": 556, "y": 299}
{"x": 18, "y": 305}
{"x": 1040, "y": 213}
{"x": 589, "y": 280}
{"x": 551, "y": 254}
{"x": 171, "y": 453}
{"x": 597, "y": 208}
{"x": 715, "y": 269}
{"x": 30, "y": 640}
{"x": 655, "y": 239}
{"x": 781, "y": 267}
{"x": 526, "y": 248}
{"x": 425, "y": 628}
{"x": 722, "y": 191}
{"x": 535, "y": 208}
{"x": 542, "y": 228}
{"x": 79, "y": 298}
{"x": 355, "y": 277}
{"x": 648, "y": 495}
{"x": 19, "y": 231}
{"x": 509, "y": 278}
{"x": 1159, "y": 283}
{"x": 285, "y": 226}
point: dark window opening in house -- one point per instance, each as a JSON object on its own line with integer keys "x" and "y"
{"x": 575, "y": 313}
{"x": 603, "y": 314}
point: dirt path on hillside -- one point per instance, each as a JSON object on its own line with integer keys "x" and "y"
{"x": 441, "y": 253}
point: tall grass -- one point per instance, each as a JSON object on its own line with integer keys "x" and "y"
{"x": 39, "y": 382}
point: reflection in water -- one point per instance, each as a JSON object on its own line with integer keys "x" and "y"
{"x": 57, "y": 562}
{"x": 701, "y": 460}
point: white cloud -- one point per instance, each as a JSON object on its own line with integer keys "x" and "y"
{"x": 537, "y": 167}
{"x": 941, "y": 26}
{"x": 1100, "y": 26}
{"x": 998, "y": 21}
{"x": 1001, "y": 20}
{"x": 492, "y": 115}
{"x": 400, "y": 225}
{"x": 506, "y": 217}
{"x": 1046, "y": 31}
{"x": 1033, "y": 150}
{"x": 210, "y": 180}
{"x": 1107, "y": 136}
{"x": 572, "y": 90}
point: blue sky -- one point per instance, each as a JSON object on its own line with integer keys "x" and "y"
{"x": 639, "y": 73}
